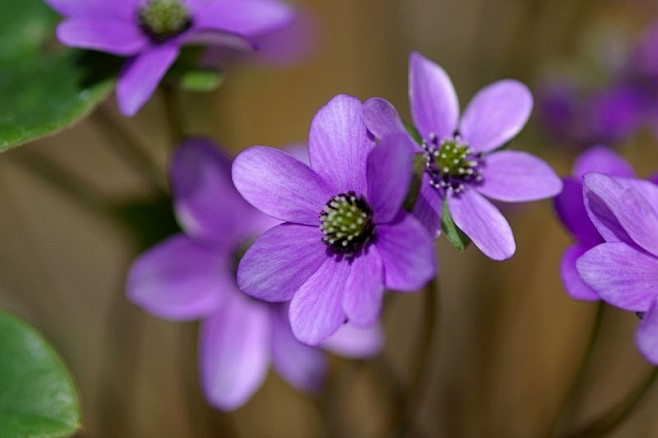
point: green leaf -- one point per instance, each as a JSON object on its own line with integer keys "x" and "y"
{"x": 201, "y": 80}
{"x": 454, "y": 235}
{"x": 413, "y": 132}
{"x": 416, "y": 181}
{"x": 44, "y": 87}
{"x": 37, "y": 395}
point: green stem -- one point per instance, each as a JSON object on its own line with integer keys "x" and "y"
{"x": 609, "y": 421}
{"x": 174, "y": 118}
{"x": 566, "y": 411}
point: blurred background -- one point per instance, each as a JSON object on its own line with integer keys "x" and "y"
{"x": 510, "y": 339}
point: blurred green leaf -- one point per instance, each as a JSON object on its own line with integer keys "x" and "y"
{"x": 201, "y": 80}
{"x": 44, "y": 87}
{"x": 416, "y": 182}
{"x": 37, "y": 395}
{"x": 454, "y": 235}
{"x": 149, "y": 221}
{"x": 413, "y": 132}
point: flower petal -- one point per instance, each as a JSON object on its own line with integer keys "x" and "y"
{"x": 382, "y": 118}
{"x": 280, "y": 261}
{"x": 407, "y": 252}
{"x": 630, "y": 209}
{"x": 101, "y": 9}
{"x": 483, "y": 224}
{"x": 603, "y": 160}
{"x": 250, "y": 18}
{"x": 281, "y": 186}
{"x": 179, "y": 279}
{"x": 621, "y": 275}
{"x": 316, "y": 309}
{"x": 106, "y": 35}
{"x": 496, "y": 114}
{"x": 428, "y": 208}
{"x": 513, "y": 176}
{"x": 235, "y": 351}
{"x": 390, "y": 165}
{"x": 573, "y": 284}
{"x": 364, "y": 289}
{"x": 141, "y": 76}
{"x": 570, "y": 208}
{"x": 302, "y": 366}
{"x": 349, "y": 341}
{"x": 339, "y": 144}
{"x": 646, "y": 336}
{"x": 432, "y": 97}
{"x": 207, "y": 204}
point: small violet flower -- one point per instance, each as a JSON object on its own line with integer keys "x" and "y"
{"x": 151, "y": 33}
{"x": 463, "y": 163}
{"x": 623, "y": 270}
{"x": 570, "y": 207}
{"x": 345, "y": 235}
{"x": 192, "y": 276}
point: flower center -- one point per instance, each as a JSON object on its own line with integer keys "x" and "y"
{"x": 346, "y": 222}
{"x": 451, "y": 163}
{"x": 164, "y": 19}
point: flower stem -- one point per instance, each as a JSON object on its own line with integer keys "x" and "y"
{"x": 423, "y": 361}
{"x": 174, "y": 119}
{"x": 566, "y": 411}
{"x": 609, "y": 421}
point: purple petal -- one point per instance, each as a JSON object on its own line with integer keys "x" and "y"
{"x": 302, "y": 366}
{"x": 621, "y": 275}
{"x": 364, "y": 289}
{"x": 631, "y": 209}
{"x": 250, "y": 18}
{"x": 433, "y": 100}
{"x": 280, "y": 261}
{"x": 390, "y": 165}
{"x": 381, "y": 118}
{"x": 102, "y": 9}
{"x": 573, "y": 284}
{"x": 106, "y": 35}
{"x": 407, "y": 252}
{"x": 483, "y": 224}
{"x": 179, "y": 279}
{"x": 207, "y": 204}
{"x": 428, "y": 208}
{"x": 647, "y": 334}
{"x": 222, "y": 40}
{"x": 513, "y": 176}
{"x": 496, "y": 114}
{"x": 279, "y": 185}
{"x": 235, "y": 351}
{"x": 316, "y": 309}
{"x": 339, "y": 145}
{"x": 141, "y": 76}
{"x": 352, "y": 342}
{"x": 603, "y": 218}
{"x": 570, "y": 208}
{"x": 603, "y": 160}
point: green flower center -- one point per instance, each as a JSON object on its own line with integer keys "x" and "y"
{"x": 346, "y": 223}
{"x": 164, "y": 19}
{"x": 451, "y": 163}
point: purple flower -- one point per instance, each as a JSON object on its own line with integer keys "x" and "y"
{"x": 151, "y": 33}
{"x": 464, "y": 163}
{"x": 624, "y": 269}
{"x": 345, "y": 235}
{"x": 570, "y": 208}
{"x": 192, "y": 276}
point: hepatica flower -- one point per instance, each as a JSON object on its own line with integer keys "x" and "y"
{"x": 151, "y": 33}
{"x": 345, "y": 236}
{"x": 624, "y": 269}
{"x": 191, "y": 276}
{"x": 464, "y": 165}
{"x": 571, "y": 210}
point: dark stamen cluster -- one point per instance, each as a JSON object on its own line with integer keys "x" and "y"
{"x": 346, "y": 222}
{"x": 164, "y": 19}
{"x": 451, "y": 163}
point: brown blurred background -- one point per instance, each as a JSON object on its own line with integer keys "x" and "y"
{"x": 510, "y": 339}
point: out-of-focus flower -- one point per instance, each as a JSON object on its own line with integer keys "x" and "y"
{"x": 151, "y": 33}
{"x": 571, "y": 210}
{"x": 623, "y": 270}
{"x": 191, "y": 276}
{"x": 345, "y": 235}
{"x": 463, "y": 160}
